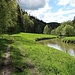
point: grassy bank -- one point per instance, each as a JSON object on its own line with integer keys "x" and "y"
{"x": 29, "y": 57}
{"x": 69, "y": 39}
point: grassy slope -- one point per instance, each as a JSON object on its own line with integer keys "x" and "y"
{"x": 46, "y": 61}
{"x": 69, "y": 38}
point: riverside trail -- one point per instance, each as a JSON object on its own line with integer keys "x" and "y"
{"x": 6, "y": 70}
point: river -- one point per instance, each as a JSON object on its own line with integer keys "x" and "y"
{"x": 59, "y": 45}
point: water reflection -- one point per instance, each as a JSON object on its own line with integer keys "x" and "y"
{"x": 59, "y": 45}
{"x": 55, "y": 46}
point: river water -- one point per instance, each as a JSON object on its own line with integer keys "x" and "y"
{"x": 59, "y": 45}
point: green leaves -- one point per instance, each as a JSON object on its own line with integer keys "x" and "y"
{"x": 47, "y": 29}
{"x": 66, "y": 28}
{"x": 8, "y": 15}
{"x": 27, "y": 23}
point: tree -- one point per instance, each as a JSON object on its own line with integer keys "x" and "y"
{"x": 8, "y": 15}
{"x": 3, "y": 15}
{"x": 53, "y": 25}
{"x": 53, "y": 32}
{"x": 12, "y": 16}
{"x": 38, "y": 29}
{"x": 74, "y": 22}
{"x": 59, "y": 30}
{"x": 68, "y": 30}
{"x": 47, "y": 29}
{"x": 27, "y": 23}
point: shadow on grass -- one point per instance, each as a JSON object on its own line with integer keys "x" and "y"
{"x": 17, "y": 62}
{"x": 3, "y": 46}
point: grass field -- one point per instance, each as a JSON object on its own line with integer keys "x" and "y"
{"x": 29, "y": 57}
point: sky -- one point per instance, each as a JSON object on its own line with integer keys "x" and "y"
{"x": 50, "y": 10}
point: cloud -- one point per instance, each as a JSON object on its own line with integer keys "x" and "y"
{"x": 66, "y": 2}
{"x": 31, "y": 4}
{"x": 44, "y": 13}
{"x": 59, "y": 16}
{"x": 40, "y": 13}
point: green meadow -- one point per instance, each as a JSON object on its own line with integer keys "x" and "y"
{"x": 29, "y": 57}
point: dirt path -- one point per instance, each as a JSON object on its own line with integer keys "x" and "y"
{"x": 7, "y": 68}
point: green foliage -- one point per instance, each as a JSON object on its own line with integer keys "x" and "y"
{"x": 53, "y": 31}
{"x": 59, "y": 30}
{"x": 53, "y": 25}
{"x": 12, "y": 16}
{"x": 8, "y": 15}
{"x": 3, "y": 15}
{"x": 38, "y": 25}
{"x": 69, "y": 22}
{"x": 47, "y": 29}
{"x": 74, "y": 22}
{"x": 27, "y": 23}
{"x": 68, "y": 30}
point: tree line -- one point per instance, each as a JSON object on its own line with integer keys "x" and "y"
{"x": 66, "y": 28}
{"x": 14, "y": 20}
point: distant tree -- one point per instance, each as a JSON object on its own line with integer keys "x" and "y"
{"x": 53, "y": 32}
{"x": 68, "y": 30}
{"x": 69, "y": 22}
{"x": 27, "y": 23}
{"x": 53, "y": 25}
{"x": 20, "y": 19}
{"x": 38, "y": 29}
{"x": 74, "y": 22}
{"x": 59, "y": 30}
{"x": 47, "y": 29}
{"x": 38, "y": 25}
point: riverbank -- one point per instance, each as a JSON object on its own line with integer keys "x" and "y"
{"x": 30, "y": 57}
{"x": 69, "y": 40}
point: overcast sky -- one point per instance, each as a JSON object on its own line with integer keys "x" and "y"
{"x": 50, "y": 10}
